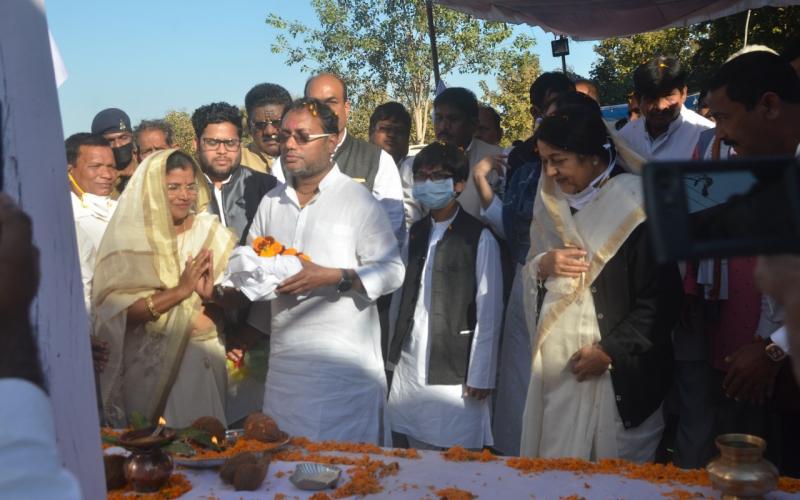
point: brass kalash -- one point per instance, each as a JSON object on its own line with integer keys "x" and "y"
{"x": 741, "y": 471}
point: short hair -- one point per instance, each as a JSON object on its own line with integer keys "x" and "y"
{"x": 264, "y": 94}
{"x": 75, "y": 141}
{"x": 460, "y": 98}
{"x": 390, "y": 111}
{"x": 318, "y": 109}
{"x": 495, "y": 115}
{"x": 554, "y": 81}
{"x": 334, "y": 76}
{"x": 180, "y": 160}
{"x": 577, "y": 126}
{"x": 774, "y": 75}
{"x": 659, "y": 76}
{"x": 216, "y": 112}
{"x": 161, "y": 125}
{"x": 449, "y": 156}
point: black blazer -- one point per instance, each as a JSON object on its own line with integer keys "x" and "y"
{"x": 241, "y": 196}
{"x": 638, "y": 303}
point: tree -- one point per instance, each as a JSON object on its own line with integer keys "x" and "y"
{"x": 718, "y": 39}
{"x": 182, "y": 130}
{"x": 619, "y": 57}
{"x": 701, "y": 48}
{"x": 516, "y": 73}
{"x": 383, "y": 45}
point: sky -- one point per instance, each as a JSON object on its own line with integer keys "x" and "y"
{"x": 149, "y": 57}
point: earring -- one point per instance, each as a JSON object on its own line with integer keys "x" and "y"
{"x": 594, "y": 162}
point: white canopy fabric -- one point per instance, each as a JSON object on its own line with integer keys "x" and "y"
{"x": 597, "y": 19}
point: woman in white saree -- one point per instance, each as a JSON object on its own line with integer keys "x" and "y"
{"x": 156, "y": 267}
{"x": 600, "y": 308}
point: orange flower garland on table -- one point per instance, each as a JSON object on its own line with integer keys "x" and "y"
{"x": 267, "y": 246}
{"x": 177, "y": 486}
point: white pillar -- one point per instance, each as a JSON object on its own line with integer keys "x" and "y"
{"x": 34, "y": 173}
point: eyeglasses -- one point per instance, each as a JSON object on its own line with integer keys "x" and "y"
{"x": 230, "y": 144}
{"x": 190, "y": 189}
{"x": 300, "y": 137}
{"x": 263, "y": 125}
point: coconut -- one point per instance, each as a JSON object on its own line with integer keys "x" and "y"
{"x": 115, "y": 472}
{"x": 211, "y": 425}
{"x": 249, "y": 477}
{"x": 261, "y": 427}
{"x": 228, "y": 470}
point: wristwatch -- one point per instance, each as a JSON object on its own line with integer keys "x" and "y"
{"x": 774, "y": 352}
{"x": 346, "y": 283}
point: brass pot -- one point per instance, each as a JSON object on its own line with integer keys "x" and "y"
{"x": 741, "y": 472}
{"x": 148, "y": 470}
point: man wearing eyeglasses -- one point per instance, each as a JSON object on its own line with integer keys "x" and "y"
{"x": 326, "y": 378}
{"x": 237, "y": 189}
{"x": 264, "y": 104}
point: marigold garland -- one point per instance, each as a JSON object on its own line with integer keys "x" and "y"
{"x": 454, "y": 494}
{"x": 459, "y": 454}
{"x": 241, "y": 445}
{"x": 267, "y": 246}
{"x": 175, "y": 487}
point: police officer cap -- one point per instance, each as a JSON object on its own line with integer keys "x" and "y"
{"x": 111, "y": 120}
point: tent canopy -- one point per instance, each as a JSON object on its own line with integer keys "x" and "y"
{"x": 597, "y": 19}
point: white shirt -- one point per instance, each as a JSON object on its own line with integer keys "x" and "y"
{"x": 29, "y": 460}
{"x": 440, "y": 414}
{"x": 386, "y": 188}
{"x": 218, "y": 197}
{"x": 326, "y": 377}
{"x": 92, "y": 215}
{"x": 413, "y": 209}
{"x": 677, "y": 143}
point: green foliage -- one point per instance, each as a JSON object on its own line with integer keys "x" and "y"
{"x": 702, "y": 48}
{"x": 382, "y": 48}
{"x": 182, "y": 130}
{"x": 517, "y": 70}
{"x": 619, "y": 57}
{"x": 717, "y": 40}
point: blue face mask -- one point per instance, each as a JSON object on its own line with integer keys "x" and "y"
{"x": 433, "y": 194}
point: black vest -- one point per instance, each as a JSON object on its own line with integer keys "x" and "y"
{"x": 241, "y": 196}
{"x": 453, "y": 314}
{"x": 358, "y": 159}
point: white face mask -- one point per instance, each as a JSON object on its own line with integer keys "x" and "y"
{"x": 101, "y": 206}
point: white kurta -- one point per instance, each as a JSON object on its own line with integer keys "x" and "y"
{"x": 440, "y": 414}
{"x": 28, "y": 453}
{"x": 386, "y": 188}
{"x": 677, "y": 143}
{"x": 326, "y": 378}
{"x": 91, "y": 216}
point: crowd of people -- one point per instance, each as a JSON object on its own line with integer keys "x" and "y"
{"x": 466, "y": 294}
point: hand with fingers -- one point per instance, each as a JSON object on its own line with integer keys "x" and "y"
{"x": 565, "y": 262}
{"x": 589, "y": 361}
{"x": 751, "y": 374}
{"x": 479, "y": 394}
{"x": 193, "y": 273}
{"x": 310, "y": 278}
{"x": 205, "y": 285}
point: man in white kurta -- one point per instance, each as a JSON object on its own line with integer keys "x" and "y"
{"x": 92, "y": 176}
{"x": 326, "y": 378}
{"x": 442, "y": 415}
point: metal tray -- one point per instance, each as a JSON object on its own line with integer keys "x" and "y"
{"x": 314, "y": 476}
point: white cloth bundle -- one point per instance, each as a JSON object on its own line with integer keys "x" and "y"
{"x": 258, "y": 277}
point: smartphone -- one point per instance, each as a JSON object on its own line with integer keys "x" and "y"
{"x": 723, "y": 208}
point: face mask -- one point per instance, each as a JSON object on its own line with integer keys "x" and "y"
{"x": 434, "y": 194}
{"x": 123, "y": 155}
{"x": 100, "y": 206}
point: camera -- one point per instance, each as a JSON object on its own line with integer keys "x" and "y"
{"x": 727, "y": 208}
